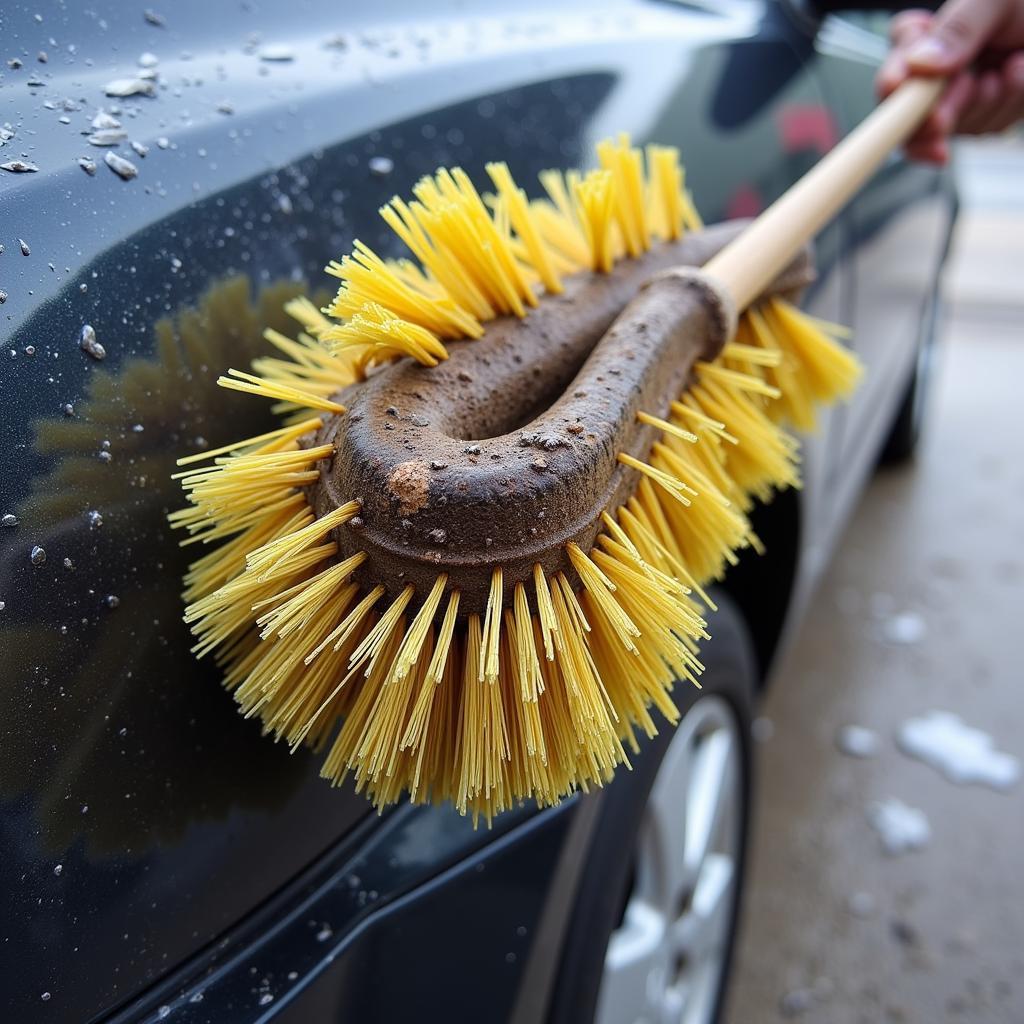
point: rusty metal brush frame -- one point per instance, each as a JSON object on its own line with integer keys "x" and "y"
{"x": 508, "y": 451}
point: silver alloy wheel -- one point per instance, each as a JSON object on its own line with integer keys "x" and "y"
{"x": 665, "y": 961}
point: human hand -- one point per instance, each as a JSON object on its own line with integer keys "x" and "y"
{"x": 979, "y": 46}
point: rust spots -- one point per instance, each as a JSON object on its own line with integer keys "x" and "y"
{"x": 409, "y": 484}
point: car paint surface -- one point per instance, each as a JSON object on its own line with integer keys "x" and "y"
{"x": 143, "y": 823}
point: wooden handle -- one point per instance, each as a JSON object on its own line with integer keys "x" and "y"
{"x": 747, "y": 265}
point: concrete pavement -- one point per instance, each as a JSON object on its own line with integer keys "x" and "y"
{"x": 922, "y": 610}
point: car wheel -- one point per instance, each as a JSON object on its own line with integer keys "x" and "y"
{"x": 905, "y": 433}
{"x": 652, "y": 935}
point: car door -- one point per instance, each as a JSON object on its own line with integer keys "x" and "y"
{"x": 142, "y": 818}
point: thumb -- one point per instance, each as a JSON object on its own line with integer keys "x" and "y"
{"x": 958, "y": 33}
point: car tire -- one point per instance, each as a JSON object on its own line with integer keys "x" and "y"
{"x": 905, "y": 434}
{"x": 626, "y": 955}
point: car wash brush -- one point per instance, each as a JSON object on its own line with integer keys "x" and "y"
{"x": 470, "y": 563}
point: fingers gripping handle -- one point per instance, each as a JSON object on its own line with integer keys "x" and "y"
{"x": 746, "y": 266}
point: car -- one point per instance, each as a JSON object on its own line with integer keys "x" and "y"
{"x": 172, "y": 176}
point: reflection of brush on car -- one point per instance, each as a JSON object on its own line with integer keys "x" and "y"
{"x": 89, "y": 713}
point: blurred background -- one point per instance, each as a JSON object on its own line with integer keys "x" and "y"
{"x": 919, "y": 613}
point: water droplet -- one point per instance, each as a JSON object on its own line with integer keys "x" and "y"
{"x": 69, "y": 409}
{"x": 163, "y": 1013}
{"x": 9, "y": 520}
{"x": 94, "y": 518}
{"x": 324, "y": 934}
{"x": 381, "y": 166}
{"x": 107, "y": 137}
{"x": 277, "y": 52}
{"x": 105, "y": 457}
{"x": 148, "y": 60}
{"x": 122, "y": 87}
{"x": 19, "y": 167}
{"x": 87, "y": 165}
{"x": 265, "y": 999}
{"x": 68, "y": 564}
{"x": 3, "y": 296}
{"x": 123, "y": 168}
{"x": 112, "y": 600}
{"x": 139, "y": 148}
{"x": 58, "y": 868}
{"x": 163, "y": 142}
{"x": 89, "y": 345}
{"x": 25, "y": 250}
{"x": 196, "y": 997}
{"x": 104, "y": 121}
{"x": 37, "y": 555}
{"x": 152, "y": 18}
{"x": 45, "y": 997}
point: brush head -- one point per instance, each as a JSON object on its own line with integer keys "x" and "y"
{"x": 470, "y": 563}
{"x": 508, "y": 451}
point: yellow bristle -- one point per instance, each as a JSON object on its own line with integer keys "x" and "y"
{"x": 545, "y": 611}
{"x": 311, "y": 318}
{"x": 440, "y": 658}
{"x": 489, "y": 644}
{"x": 625, "y": 165}
{"x": 309, "y": 365}
{"x": 384, "y": 336}
{"x": 412, "y": 642}
{"x": 366, "y": 279}
{"x": 601, "y": 590}
{"x": 521, "y": 695}
{"x": 349, "y": 626}
{"x": 267, "y": 557}
{"x": 764, "y": 457}
{"x": 270, "y": 441}
{"x": 368, "y": 652}
{"x": 665, "y": 199}
{"x": 524, "y": 223}
{"x": 292, "y": 609}
{"x": 594, "y": 198}
{"x": 237, "y": 380}
{"x": 669, "y": 428}
{"x": 678, "y": 489}
{"x": 526, "y": 652}
{"x": 830, "y": 370}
